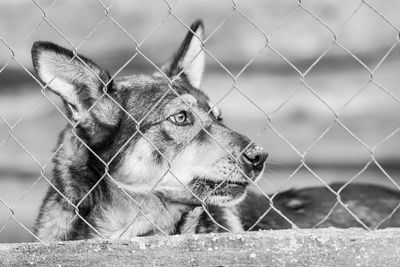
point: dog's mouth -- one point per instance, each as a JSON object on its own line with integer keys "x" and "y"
{"x": 220, "y": 193}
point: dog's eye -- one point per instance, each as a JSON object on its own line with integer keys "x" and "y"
{"x": 180, "y": 118}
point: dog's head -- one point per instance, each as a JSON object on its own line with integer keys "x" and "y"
{"x": 156, "y": 133}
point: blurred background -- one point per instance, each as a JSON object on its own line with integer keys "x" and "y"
{"x": 306, "y": 94}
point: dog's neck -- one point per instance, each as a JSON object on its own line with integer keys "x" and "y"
{"x": 129, "y": 215}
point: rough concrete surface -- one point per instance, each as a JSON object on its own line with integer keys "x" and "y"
{"x": 311, "y": 247}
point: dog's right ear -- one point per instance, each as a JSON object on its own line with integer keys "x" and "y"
{"x": 79, "y": 82}
{"x": 190, "y": 57}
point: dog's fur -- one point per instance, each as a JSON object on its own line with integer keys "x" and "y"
{"x": 141, "y": 153}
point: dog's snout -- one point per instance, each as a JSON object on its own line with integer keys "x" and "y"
{"x": 255, "y": 157}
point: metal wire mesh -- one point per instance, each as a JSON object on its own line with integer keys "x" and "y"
{"x": 235, "y": 9}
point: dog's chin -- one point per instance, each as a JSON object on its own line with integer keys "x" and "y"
{"x": 222, "y": 194}
{"x": 226, "y": 200}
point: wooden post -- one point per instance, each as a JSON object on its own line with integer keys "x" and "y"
{"x": 327, "y": 247}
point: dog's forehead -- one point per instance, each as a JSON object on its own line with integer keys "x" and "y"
{"x": 133, "y": 80}
{"x": 137, "y": 83}
{"x": 146, "y": 91}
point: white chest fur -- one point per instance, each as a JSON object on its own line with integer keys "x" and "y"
{"x": 123, "y": 218}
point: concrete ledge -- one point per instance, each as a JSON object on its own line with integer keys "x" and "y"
{"x": 328, "y": 247}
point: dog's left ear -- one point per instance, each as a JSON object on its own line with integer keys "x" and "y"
{"x": 190, "y": 57}
{"x": 81, "y": 84}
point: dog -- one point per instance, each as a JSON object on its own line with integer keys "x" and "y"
{"x": 149, "y": 154}
{"x": 368, "y": 206}
{"x": 143, "y": 154}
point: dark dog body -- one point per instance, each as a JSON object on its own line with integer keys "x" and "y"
{"x": 375, "y": 206}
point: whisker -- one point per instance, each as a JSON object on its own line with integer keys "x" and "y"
{"x": 276, "y": 163}
{"x": 278, "y": 175}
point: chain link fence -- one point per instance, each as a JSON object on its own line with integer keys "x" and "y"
{"x": 342, "y": 122}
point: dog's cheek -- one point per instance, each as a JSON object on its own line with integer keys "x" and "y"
{"x": 178, "y": 135}
{"x": 140, "y": 165}
{"x": 195, "y": 161}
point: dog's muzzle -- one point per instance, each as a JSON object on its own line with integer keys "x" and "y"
{"x": 253, "y": 158}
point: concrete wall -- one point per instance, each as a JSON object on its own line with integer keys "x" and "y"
{"x": 322, "y": 247}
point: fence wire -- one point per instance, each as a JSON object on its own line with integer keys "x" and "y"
{"x": 235, "y": 9}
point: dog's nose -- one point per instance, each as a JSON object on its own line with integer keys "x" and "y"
{"x": 255, "y": 157}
